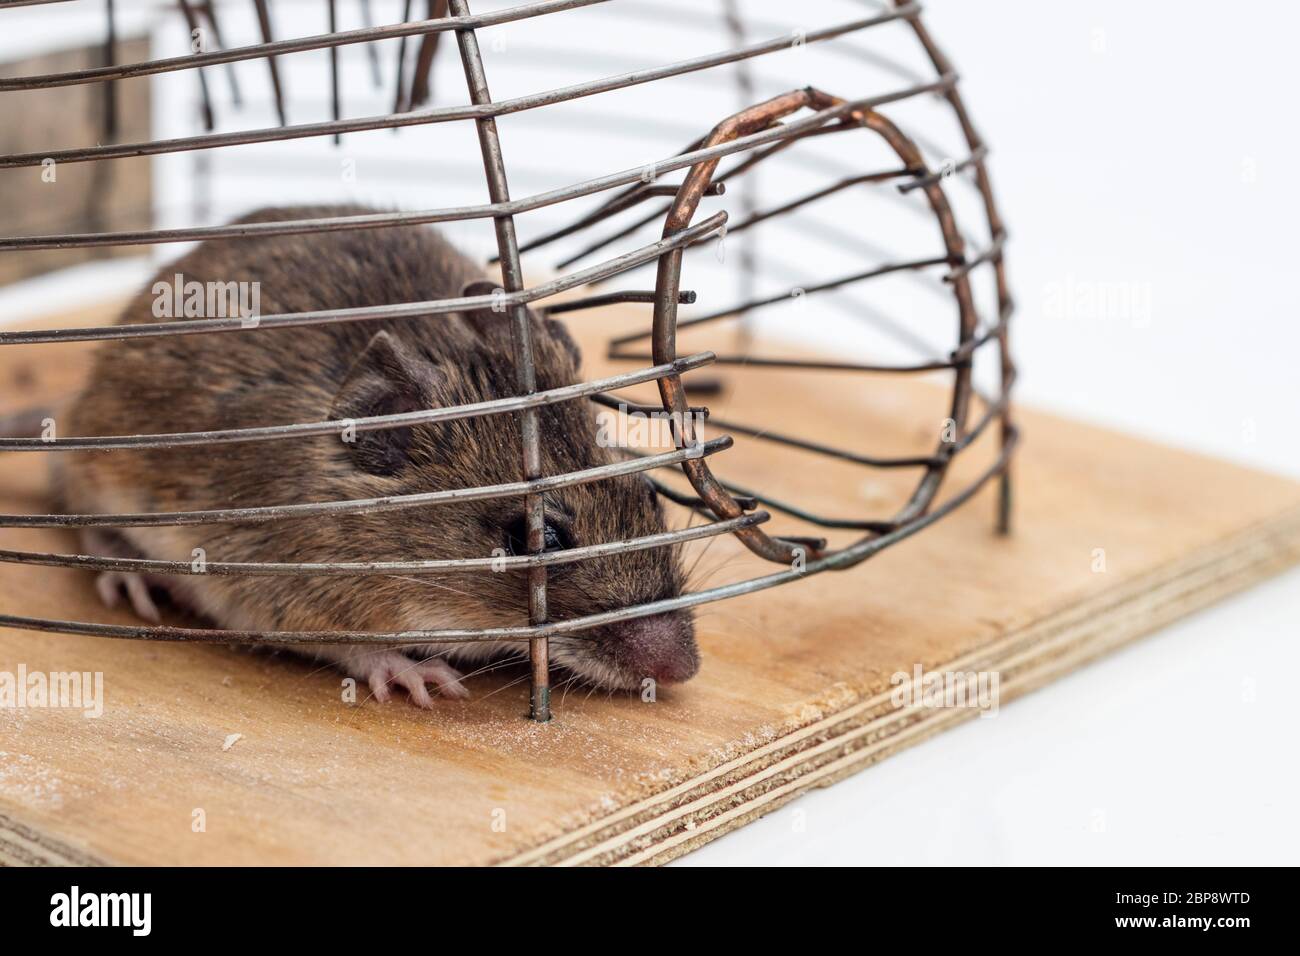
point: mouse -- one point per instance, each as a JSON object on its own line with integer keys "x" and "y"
{"x": 350, "y": 370}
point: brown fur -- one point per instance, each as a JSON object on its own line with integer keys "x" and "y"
{"x": 277, "y": 376}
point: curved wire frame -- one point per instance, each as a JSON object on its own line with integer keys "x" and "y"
{"x": 752, "y": 135}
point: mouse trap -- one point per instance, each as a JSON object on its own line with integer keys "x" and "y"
{"x": 879, "y": 543}
{"x": 1115, "y": 537}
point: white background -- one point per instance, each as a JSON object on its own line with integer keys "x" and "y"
{"x": 1164, "y": 159}
{"x": 1141, "y": 151}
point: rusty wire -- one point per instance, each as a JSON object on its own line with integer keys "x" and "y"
{"x": 753, "y": 135}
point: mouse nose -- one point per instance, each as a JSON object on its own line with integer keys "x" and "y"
{"x": 660, "y": 647}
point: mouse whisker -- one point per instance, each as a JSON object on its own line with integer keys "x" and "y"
{"x": 487, "y": 668}
{"x": 505, "y": 686}
{"x": 433, "y": 584}
{"x": 748, "y": 622}
{"x": 564, "y": 688}
{"x": 700, "y": 557}
{"x": 710, "y": 573}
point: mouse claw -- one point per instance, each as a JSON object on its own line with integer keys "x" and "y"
{"x": 395, "y": 668}
{"x": 447, "y": 679}
{"x": 379, "y": 686}
{"x": 110, "y": 584}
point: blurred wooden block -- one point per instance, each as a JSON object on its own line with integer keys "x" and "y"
{"x": 794, "y": 692}
{"x": 74, "y": 197}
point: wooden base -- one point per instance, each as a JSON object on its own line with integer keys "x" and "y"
{"x": 1114, "y": 537}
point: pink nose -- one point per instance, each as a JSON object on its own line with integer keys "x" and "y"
{"x": 660, "y": 647}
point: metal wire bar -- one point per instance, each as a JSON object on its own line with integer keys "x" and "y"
{"x": 788, "y": 131}
{"x": 823, "y": 365}
{"x": 624, "y": 201}
{"x": 776, "y": 504}
{"x": 991, "y": 254}
{"x": 685, "y": 297}
{"x": 372, "y": 54}
{"x": 209, "y": 11}
{"x": 752, "y": 135}
{"x": 368, "y": 313}
{"x": 746, "y": 91}
{"x": 477, "y": 111}
{"x": 497, "y": 406}
{"x": 522, "y": 562}
{"x": 110, "y": 57}
{"x": 720, "y": 179}
{"x": 655, "y": 13}
{"x": 336, "y": 106}
{"x": 571, "y": 628}
{"x": 793, "y": 441}
{"x": 366, "y": 506}
{"x": 192, "y": 21}
{"x": 421, "y": 84}
{"x": 994, "y": 409}
{"x": 264, "y": 24}
{"x": 667, "y": 284}
{"x": 669, "y": 273}
{"x": 974, "y": 142}
{"x": 512, "y": 278}
{"x": 750, "y": 220}
{"x": 788, "y": 296}
{"x": 627, "y": 405}
{"x": 611, "y": 207}
{"x": 863, "y": 179}
{"x": 958, "y": 358}
{"x": 272, "y": 48}
{"x": 694, "y": 502}
{"x": 977, "y": 156}
{"x": 399, "y": 100}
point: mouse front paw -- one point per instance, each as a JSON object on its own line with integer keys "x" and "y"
{"x": 383, "y": 670}
{"x": 110, "y": 584}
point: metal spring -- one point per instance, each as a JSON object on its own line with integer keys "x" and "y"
{"x": 755, "y": 134}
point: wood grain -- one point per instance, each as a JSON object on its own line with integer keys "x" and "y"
{"x": 794, "y": 691}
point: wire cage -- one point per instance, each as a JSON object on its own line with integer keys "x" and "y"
{"x": 601, "y": 228}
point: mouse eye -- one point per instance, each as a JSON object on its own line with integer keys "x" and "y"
{"x": 516, "y": 541}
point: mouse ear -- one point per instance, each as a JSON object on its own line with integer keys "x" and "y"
{"x": 493, "y": 325}
{"x": 493, "y": 322}
{"x": 480, "y": 287}
{"x": 388, "y": 378}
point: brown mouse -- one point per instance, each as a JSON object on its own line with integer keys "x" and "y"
{"x": 351, "y": 370}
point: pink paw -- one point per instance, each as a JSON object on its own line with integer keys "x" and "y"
{"x": 110, "y": 584}
{"x": 386, "y": 668}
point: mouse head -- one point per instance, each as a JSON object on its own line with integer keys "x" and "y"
{"x": 457, "y": 360}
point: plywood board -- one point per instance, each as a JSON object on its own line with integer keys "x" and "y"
{"x": 794, "y": 691}
{"x": 74, "y": 197}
